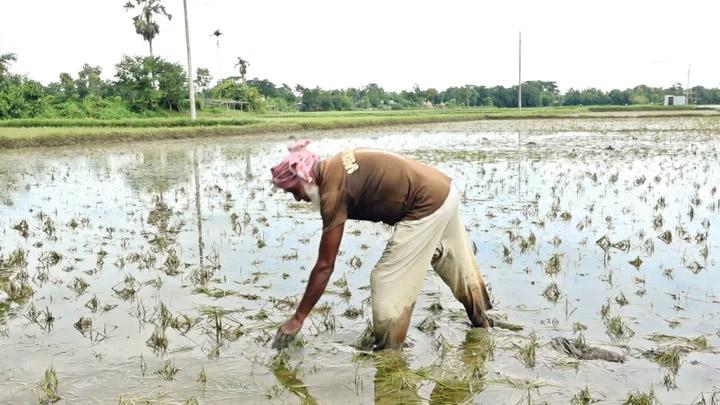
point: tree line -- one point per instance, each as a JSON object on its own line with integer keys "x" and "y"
{"x": 153, "y": 86}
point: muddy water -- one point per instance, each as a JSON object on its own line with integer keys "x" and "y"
{"x": 178, "y": 259}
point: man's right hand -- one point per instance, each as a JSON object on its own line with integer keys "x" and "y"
{"x": 286, "y": 333}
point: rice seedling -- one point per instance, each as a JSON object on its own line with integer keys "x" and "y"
{"x": 704, "y": 252}
{"x": 355, "y": 262}
{"x": 695, "y": 267}
{"x": 366, "y": 340}
{"x": 127, "y": 289}
{"x": 168, "y": 371}
{"x": 552, "y": 266}
{"x": 32, "y": 314}
{"x": 699, "y": 343}
{"x": 621, "y": 300}
{"x": 158, "y": 341}
{"x": 507, "y": 255}
{"x": 49, "y": 387}
{"x": 714, "y": 399}
{"x": 352, "y": 313}
{"x": 191, "y": 401}
{"x": 293, "y": 255}
{"x": 669, "y": 381}
{"x": 435, "y": 307}
{"x": 286, "y": 303}
{"x": 78, "y": 285}
{"x": 623, "y": 246}
{"x": 666, "y": 237}
{"x": 23, "y": 228}
{"x": 583, "y": 397}
{"x": 641, "y": 398}
{"x": 172, "y": 263}
{"x": 16, "y": 260}
{"x": 617, "y": 329}
{"x": 668, "y": 358}
{"x": 637, "y": 262}
{"x": 527, "y": 352}
{"x": 49, "y": 228}
{"x": 83, "y": 325}
{"x": 214, "y": 292}
{"x": 202, "y": 377}
{"x": 427, "y": 325}
{"x": 552, "y": 292}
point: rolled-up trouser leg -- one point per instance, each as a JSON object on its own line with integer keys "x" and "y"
{"x": 455, "y": 263}
{"x": 397, "y": 277}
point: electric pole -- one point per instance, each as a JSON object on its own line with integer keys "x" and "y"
{"x": 687, "y": 88}
{"x": 520, "y": 70}
{"x": 191, "y": 87}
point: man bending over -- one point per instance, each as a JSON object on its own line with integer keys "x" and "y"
{"x": 419, "y": 201}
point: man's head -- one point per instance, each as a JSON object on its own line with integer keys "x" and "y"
{"x": 295, "y": 173}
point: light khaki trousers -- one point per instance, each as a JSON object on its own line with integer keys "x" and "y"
{"x": 438, "y": 240}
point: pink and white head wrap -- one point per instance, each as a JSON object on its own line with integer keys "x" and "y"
{"x": 296, "y": 166}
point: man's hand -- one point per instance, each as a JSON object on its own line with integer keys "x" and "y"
{"x": 319, "y": 277}
{"x": 286, "y": 333}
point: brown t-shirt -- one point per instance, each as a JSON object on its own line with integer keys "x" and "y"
{"x": 376, "y": 186}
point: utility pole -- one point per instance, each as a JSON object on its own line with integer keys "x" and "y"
{"x": 191, "y": 87}
{"x": 687, "y": 88}
{"x": 520, "y": 70}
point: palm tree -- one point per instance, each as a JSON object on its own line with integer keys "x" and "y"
{"x": 144, "y": 22}
{"x": 217, "y": 34}
{"x": 5, "y": 61}
{"x": 242, "y": 66}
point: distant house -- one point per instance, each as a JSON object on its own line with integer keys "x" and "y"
{"x": 675, "y": 100}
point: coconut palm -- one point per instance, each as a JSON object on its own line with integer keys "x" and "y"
{"x": 242, "y": 66}
{"x": 217, "y": 34}
{"x": 144, "y": 22}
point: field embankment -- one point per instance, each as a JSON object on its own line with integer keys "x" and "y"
{"x": 60, "y": 132}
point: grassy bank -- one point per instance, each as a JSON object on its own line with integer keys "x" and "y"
{"x": 53, "y": 132}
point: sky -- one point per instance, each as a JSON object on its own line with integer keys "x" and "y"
{"x": 394, "y": 43}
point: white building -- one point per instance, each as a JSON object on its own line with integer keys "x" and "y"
{"x": 675, "y": 100}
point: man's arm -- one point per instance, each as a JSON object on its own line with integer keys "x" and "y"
{"x": 319, "y": 277}
{"x": 320, "y": 274}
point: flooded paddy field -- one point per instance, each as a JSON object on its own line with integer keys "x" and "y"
{"x": 160, "y": 271}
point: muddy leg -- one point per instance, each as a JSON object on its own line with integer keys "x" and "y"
{"x": 397, "y": 277}
{"x": 455, "y": 263}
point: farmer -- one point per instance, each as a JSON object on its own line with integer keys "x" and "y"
{"x": 422, "y": 205}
